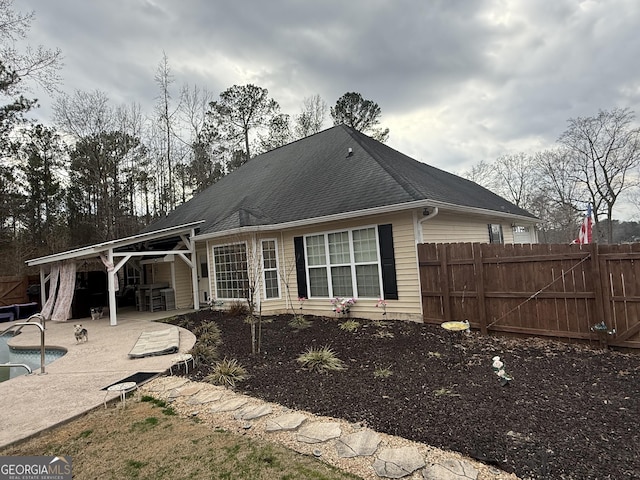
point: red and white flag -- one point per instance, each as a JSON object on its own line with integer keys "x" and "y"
{"x": 585, "y": 229}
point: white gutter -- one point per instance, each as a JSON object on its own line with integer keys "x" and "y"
{"x": 361, "y": 213}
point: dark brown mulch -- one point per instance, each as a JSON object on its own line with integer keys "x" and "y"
{"x": 571, "y": 411}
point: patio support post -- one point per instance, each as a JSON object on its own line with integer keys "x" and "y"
{"x": 43, "y": 290}
{"x": 194, "y": 271}
{"x": 113, "y": 320}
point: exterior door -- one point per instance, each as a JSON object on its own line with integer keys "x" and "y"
{"x": 204, "y": 288}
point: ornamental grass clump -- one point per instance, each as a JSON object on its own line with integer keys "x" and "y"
{"x": 349, "y": 326}
{"x": 299, "y": 322}
{"x": 382, "y": 372}
{"x": 227, "y": 373}
{"x": 209, "y": 333}
{"x": 321, "y": 360}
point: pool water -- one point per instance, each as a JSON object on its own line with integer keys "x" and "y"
{"x": 29, "y": 357}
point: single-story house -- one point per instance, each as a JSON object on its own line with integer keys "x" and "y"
{"x": 335, "y": 214}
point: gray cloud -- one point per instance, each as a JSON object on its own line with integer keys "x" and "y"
{"x": 457, "y": 82}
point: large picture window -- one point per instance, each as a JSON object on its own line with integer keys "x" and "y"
{"x": 270, "y": 269}
{"x": 344, "y": 264}
{"x": 232, "y": 279}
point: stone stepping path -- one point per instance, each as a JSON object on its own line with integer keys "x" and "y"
{"x": 288, "y": 421}
{"x": 228, "y": 405}
{"x": 359, "y": 444}
{"x": 450, "y": 470}
{"x": 363, "y": 443}
{"x": 398, "y": 462}
{"x": 253, "y": 412}
{"x": 205, "y": 397}
{"x": 318, "y": 432}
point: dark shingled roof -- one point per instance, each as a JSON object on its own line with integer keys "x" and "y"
{"x": 315, "y": 177}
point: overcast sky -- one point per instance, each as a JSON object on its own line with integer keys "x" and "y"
{"x": 457, "y": 81}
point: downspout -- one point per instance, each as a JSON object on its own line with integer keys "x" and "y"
{"x": 431, "y": 216}
{"x": 434, "y": 212}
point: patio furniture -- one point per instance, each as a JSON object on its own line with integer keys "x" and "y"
{"x": 183, "y": 358}
{"x": 122, "y": 389}
{"x": 149, "y": 296}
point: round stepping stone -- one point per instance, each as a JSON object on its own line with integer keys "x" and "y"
{"x": 228, "y": 405}
{"x": 358, "y": 444}
{"x": 288, "y": 421}
{"x": 451, "y": 469}
{"x": 318, "y": 432}
{"x": 398, "y": 462}
{"x": 252, "y": 412}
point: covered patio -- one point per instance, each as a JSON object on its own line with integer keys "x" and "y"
{"x": 58, "y": 271}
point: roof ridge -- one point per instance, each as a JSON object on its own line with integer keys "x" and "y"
{"x": 400, "y": 179}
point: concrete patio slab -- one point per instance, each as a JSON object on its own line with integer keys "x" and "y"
{"x": 72, "y": 384}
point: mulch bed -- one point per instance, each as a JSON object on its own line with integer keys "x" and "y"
{"x": 571, "y": 411}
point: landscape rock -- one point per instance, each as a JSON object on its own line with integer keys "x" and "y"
{"x": 228, "y": 405}
{"x": 451, "y": 469}
{"x": 362, "y": 443}
{"x": 398, "y": 462}
{"x": 251, "y": 412}
{"x": 318, "y": 432}
{"x": 288, "y": 421}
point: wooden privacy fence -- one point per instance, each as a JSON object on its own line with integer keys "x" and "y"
{"x": 548, "y": 290}
{"x": 13, "y": 290}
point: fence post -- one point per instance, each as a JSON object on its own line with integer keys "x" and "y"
{"x": 599, "y": 286}
{"x": 444, "y": 281}
{"x": 479, "y": 278}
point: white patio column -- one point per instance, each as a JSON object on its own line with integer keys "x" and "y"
{"x": 113, "y": 319}
{"x": 194, "y": 271}
{"x": 43, "y": 290}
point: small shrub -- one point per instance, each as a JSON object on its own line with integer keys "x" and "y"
{"x": 382, "y": 372}
{"x": 238, "y": 309}
{"x": 299, "y": 322}
{"x": 321, "y": 360}
{"x": 383, "y": 334}
{"x": 203, "y": 353}
{"x": 349, "y": 326}
{"x": 380, "y": 324}
{"x": 445, "y": 392}
{"x": 227, "y": 373}
{"x": 209, "y": 333}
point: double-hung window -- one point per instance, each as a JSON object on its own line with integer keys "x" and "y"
{"x": 344, "y": 264}
{"x": 232, "y": 278}
{"x": 270, "y": 269}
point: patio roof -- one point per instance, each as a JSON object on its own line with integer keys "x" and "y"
{"x": 91, "y": 251}
{"x": 124, "y": 249}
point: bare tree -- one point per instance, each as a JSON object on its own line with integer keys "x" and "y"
{"x": 605, "y": 150}
{"x": 557, "y": 194}
{"x": 166, "y": 112}
{"x": 84, "y": 114}
{"x": 38, "y": 64}
{"x": 311, "y": 117}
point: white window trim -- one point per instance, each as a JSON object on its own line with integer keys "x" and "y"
{"x": 277, "y": 269}
{"x": 215, "y": 269}
{"x": 352, "y": 264}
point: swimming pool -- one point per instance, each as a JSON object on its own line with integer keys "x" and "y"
{"x": 30, "y": 357}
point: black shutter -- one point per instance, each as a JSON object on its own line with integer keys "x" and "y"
{"x": 301, "y": 270}
{"x": 388, "y": 261}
